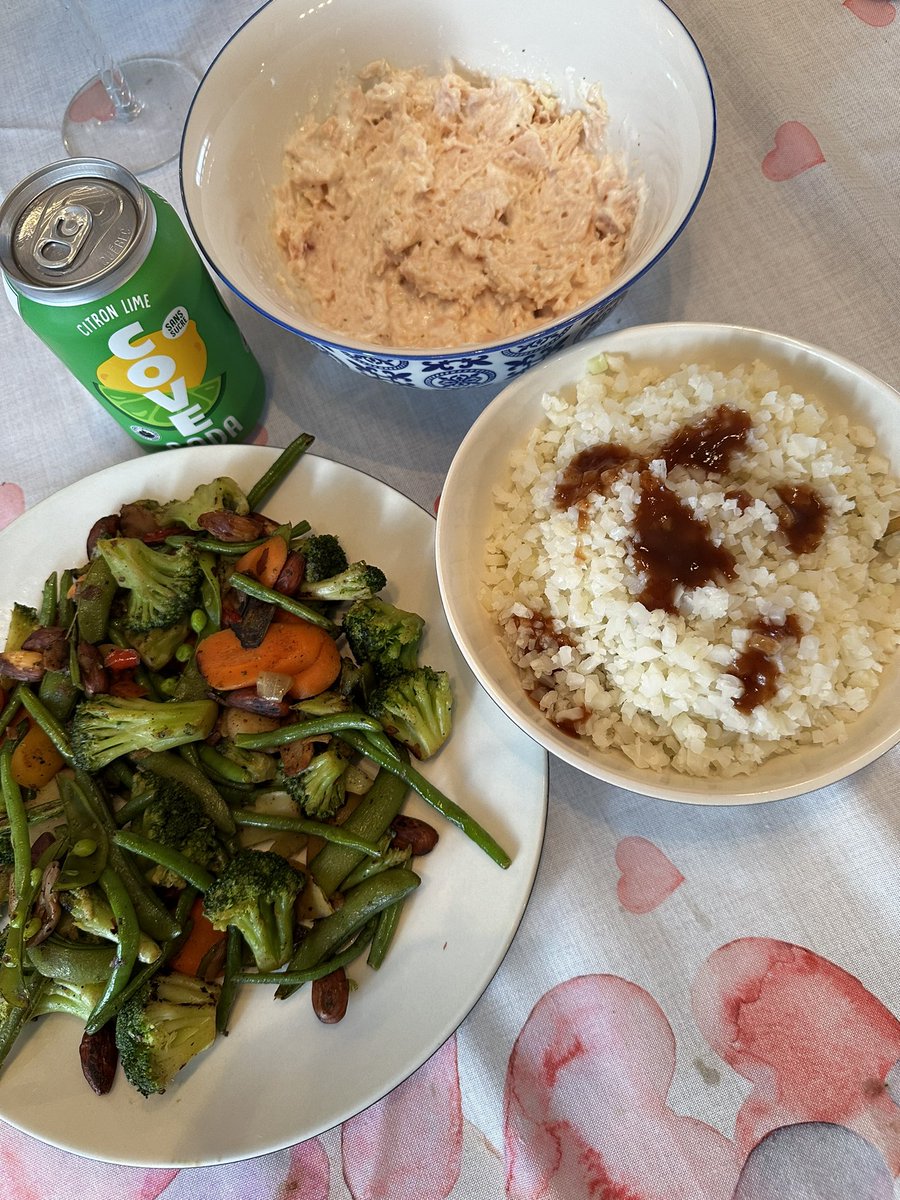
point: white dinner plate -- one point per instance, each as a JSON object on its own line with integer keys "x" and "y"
{"x": 280, "y": 1076}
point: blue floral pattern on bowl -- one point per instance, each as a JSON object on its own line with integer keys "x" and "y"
{"x": 468, "y": 368}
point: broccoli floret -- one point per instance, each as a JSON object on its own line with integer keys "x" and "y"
{"x": 62, "y": 996}
{"x": 106, "y": 727}
{"x": 90, "y": 912}
{"x": 414, "y": 707}
{"x": 256, "y": 894}
{"x": 358, "y": 582}
{"x": 324, "y": 556}
{"x": 163, "y": 1026}
{"x": 383, "y": 635}
{"x": 221, "y": 494}
{"x": 175, "y": 818}
{"x": 320, "y": 788}
{"x": 162, "y": 585}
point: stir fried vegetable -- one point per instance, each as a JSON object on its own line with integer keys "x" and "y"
{"x": 205, "y": 739}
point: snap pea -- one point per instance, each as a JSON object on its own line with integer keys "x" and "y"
{"x": 360, "y": 905}
{"x": 295, "y": 979}
{"x": 190, "y": 776}
{"x": 433, "y": 796}
{"x": 93, "y": 600}
{"x": 165, "y": 856}
{"x": 371, "y": 817}
{"x": 270, "y": 479}
{"x": 79, "y": 869}
{"x": 73, "y": 962}
{"x": 58, "y": 694}
{"x": 297, "y": 608}
{"x": 339, "y": 835}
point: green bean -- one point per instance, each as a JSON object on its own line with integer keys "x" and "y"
{"x": 227, "y": 771}
{"x": 13, "y": 979}
{"x": 295, "y": 979}
{"x": 154, "y": 919}
{"x": 234, "y": 946}
{"x": 313, "y": 727}
{"x": 259, "y": 591}
{"x": 233, "y": 549}
{"x": 65, "y": 612}
{"x": 167, "y": 949}
{"x": 279, "y": 469}
{"x": 48, "y": 723}
{"x": 336, "y": 834}
{"x": 360, "y": 905}
{"x": 19, "y": 835}
{"x": 388, "y": 921}
{"x": 128, "y": 938}
{"x": 17, "y": 1016}
{"x": 10, "y": 708}
{"x": 433, "y": 796}
{"x": 133, "y": 807}
{"x": 179, "y": 769}
{"x": 47, "y": 610}
{"x": 371, "y": 817}
{"x": 165, "y": 856}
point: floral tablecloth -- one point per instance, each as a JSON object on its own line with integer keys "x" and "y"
{"x": 700, "y": 1003}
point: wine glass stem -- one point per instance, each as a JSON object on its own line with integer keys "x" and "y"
{"x": 125, "y": 104}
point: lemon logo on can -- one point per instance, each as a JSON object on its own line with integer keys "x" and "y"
{"x": 157, "y": 378}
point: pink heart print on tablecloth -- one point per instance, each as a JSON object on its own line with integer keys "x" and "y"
{"x": 12, "y": 503}
{"x": 585, "y": 1112}
{"x": 30, "y": 1170}
{"x": 878, "y": 13}
{"x": 815, "y": 1045}
{"x": 647, "y": 876}
{"x": 408, "y": 1146}
{"x": 796, "y": 150}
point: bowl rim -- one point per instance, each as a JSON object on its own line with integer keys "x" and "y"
{"x": 555, "y": 326}
{"x": 590, "y": 761}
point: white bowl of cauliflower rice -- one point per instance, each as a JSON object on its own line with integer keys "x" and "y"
{"x": 672, "y": 555}
{"x": 440, "y": 193}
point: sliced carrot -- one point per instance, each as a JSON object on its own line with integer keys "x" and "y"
{"x": 35, "y": 759}
{"x": 286, "y": 649}
{"x": 201, "y": 939}
{"x": 320, "y": 674}
{"x": 264, "y": 562}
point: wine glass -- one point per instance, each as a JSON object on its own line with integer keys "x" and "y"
{"x": 130, "y": 112}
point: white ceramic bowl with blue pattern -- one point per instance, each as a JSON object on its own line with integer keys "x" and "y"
{"x": 287, "y": 58}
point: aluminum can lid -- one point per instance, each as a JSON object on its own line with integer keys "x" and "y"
{"x": 75, "y": 231}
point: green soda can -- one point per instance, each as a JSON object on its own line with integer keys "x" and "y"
{"x": 104, "y": 272}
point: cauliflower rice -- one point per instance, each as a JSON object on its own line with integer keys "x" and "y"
{"x": 563, "y": 585}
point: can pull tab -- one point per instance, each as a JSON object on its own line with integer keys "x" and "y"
{"x": 63, "y": 236}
